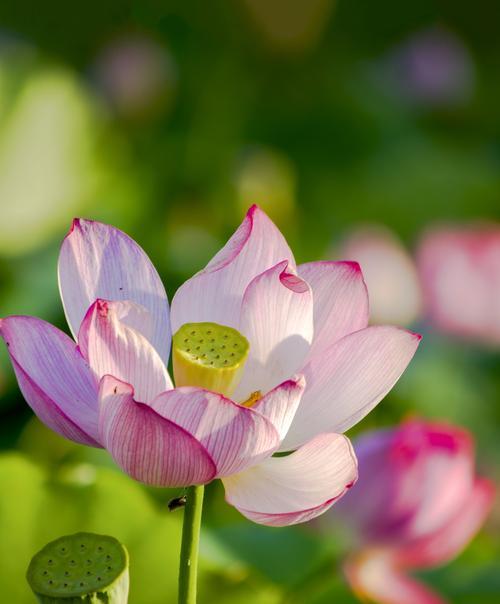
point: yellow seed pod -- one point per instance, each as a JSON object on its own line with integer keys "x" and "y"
{"x": 208, "y": 355}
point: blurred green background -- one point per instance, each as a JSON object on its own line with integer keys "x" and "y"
{"x": 168, "y": 119}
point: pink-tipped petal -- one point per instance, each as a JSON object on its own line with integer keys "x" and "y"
{"x": 277, "y": 319}
{"x": 147, "y": 446}
{"x": 54, "y": 378}
{"x": 446, "y": 543}
{"x": 135, "y": 316}
{"x": 112, "y": 347}
{"x": 287, "y": 490}
{"x": 346, "y": 381}
{"x": 375, "y": 576}
{"x": 280, "y": 404}
{"x": 100, "y": 261}
{"x": 215, "y": 293}
{"x": 340, "y": 301}
{"x": 235, "y": 437}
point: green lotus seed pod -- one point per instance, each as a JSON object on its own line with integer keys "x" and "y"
{"x": 80, "y": 568}
{"x": 209, "y": 356}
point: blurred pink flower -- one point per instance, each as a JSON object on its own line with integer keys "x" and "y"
{"x": 460, "y": 273}
{"x": 416, "y": 505}
{"x": 112, "y": 388}
{"x": 137, "y": 75}
{"x": 389, "y": 272}
{"x": 433, "y": 68}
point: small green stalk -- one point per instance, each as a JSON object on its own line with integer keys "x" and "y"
{"x": 80, "y": 569}
{"x": 188, "y": 570}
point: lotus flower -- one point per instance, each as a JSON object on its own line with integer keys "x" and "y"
{"x": 432, "y": 68}
{"x": 267, "y": 357}
{"x": 137, "y": 75}
{"x": 390, "y": 274}
{"x": 460, "y": 272}
{"x": 417, "y": 505}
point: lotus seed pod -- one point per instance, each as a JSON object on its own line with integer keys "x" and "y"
{"x": 80, "y": 568}
{"x": 209, "y": 356}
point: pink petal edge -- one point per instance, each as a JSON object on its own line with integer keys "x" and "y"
{"x": 113, "y": 347}
{"x": 53, "y": 377}
{"x": 97, "y": 260}
{"x": 214, "y": 294}
{"x": 340, "y": 301}
{"x": 280, "y": 404}
{"x": 288, "y": 490}
{"x": 349, "y": 379}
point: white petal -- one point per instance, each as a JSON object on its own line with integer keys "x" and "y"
{"x": 281, "y": 403}
{"x": 113, "y": 348}
{"x": 277, "y": 319}
{"x": 99, "y": 261}
{"x": 214, "y": 294}
{"x": 340, "y": 301}
{"x": 296, "y": 488}
{"x": 346, "y": 381}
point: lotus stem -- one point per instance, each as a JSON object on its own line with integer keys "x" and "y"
{"x": 188, "y": 570}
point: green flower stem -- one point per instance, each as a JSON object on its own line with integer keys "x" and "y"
{"x": 188, "y": 570}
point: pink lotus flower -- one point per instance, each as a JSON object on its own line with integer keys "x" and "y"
{"x": 314, "y": 368}
{"x": 432, "y": 68}
{"x": 389, "y": 272}
{"x": 417, "y": 505}
{"x": 460, "y": 272}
